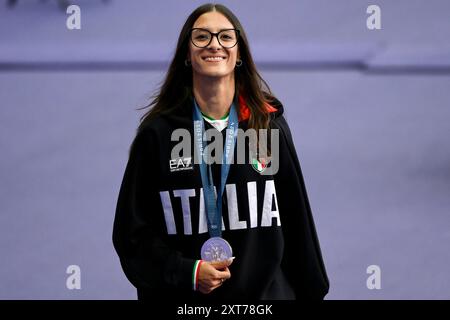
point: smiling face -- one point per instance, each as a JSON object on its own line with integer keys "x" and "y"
{"x": 213, "y": 60}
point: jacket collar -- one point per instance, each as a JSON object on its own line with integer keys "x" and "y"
{"x": 183, "y": 115}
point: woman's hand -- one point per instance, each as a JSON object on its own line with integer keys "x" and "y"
{"x": 211, "y": 275}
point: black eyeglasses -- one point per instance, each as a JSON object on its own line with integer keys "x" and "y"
{"x": 227, "y": 38}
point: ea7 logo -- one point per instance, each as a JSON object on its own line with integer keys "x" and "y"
{"x": 180, "y": 164}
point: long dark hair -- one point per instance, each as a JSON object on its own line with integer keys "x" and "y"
{"x": 176, "y": 89}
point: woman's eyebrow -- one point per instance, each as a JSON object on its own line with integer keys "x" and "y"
{"x": 206, "y": 28}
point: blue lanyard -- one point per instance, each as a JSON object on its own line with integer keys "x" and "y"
{"x": 213, "y": 205}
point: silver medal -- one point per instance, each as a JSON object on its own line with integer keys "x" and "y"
{"x": 216, "y": 249}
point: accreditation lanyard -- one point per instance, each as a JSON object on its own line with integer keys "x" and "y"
{"x": 213, "y": 205}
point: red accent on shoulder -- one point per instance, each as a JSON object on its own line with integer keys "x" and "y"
{"x": 245, "y": 110}
{"x": 270, "y": 108}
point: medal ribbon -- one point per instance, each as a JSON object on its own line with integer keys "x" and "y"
{"x": 213, "y": 205}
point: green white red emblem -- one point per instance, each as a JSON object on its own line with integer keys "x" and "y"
{"x": 259, "y": 166}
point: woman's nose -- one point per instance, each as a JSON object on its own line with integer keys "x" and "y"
{"x": 215, "y": 43}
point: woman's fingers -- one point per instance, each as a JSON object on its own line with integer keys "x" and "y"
{"x": 211, "y": 278}
{"x": 213, "y": 285}
{"x": 209, "y": 272}
{"x": 215, "y": 282}
{"x": 225, "y": 274}
{"x": 206, "y": 288}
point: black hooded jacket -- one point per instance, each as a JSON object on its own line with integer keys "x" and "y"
{"x": 159, "y": 222}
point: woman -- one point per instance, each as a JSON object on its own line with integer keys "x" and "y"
{"x": 173, "y": 239}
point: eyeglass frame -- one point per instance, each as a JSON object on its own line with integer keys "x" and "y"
{"x": 215, "y": 34}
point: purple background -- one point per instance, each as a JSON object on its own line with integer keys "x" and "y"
{"x": 369, "y": 111}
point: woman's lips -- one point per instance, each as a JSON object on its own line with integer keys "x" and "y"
{"x": 214, "y": 58}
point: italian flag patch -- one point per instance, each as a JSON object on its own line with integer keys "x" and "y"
{"x": 259, "y": 166}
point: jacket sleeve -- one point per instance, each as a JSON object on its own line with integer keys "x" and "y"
{"x": 302, "y": 260}
{"x": 147, "y": 261}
